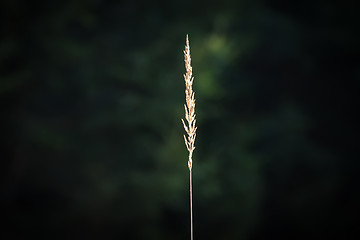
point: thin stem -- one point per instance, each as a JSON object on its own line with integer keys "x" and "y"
{"x": 191, "y": 210}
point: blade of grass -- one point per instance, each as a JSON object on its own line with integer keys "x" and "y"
{"x": 189, "y": 126}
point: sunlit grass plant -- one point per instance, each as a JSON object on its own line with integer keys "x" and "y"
{"x": 189, "y": 125}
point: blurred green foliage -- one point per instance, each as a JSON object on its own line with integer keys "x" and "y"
{"x": 92, "y": 96}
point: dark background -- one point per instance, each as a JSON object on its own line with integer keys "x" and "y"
{"x": 92, "y": 94}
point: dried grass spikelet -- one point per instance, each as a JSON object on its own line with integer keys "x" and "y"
{"x": 190, "y": 127}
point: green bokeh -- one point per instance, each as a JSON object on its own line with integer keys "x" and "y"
{"x": 92, "y": 95}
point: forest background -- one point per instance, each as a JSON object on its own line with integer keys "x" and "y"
{"x": 92, "y": 94}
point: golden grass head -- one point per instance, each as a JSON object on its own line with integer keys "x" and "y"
{"x": 189, "y": 126}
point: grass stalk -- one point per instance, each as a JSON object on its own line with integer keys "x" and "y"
{"x": 189, "y": 126}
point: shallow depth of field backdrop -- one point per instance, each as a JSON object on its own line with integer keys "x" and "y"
{"x": 92, "y": 93}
